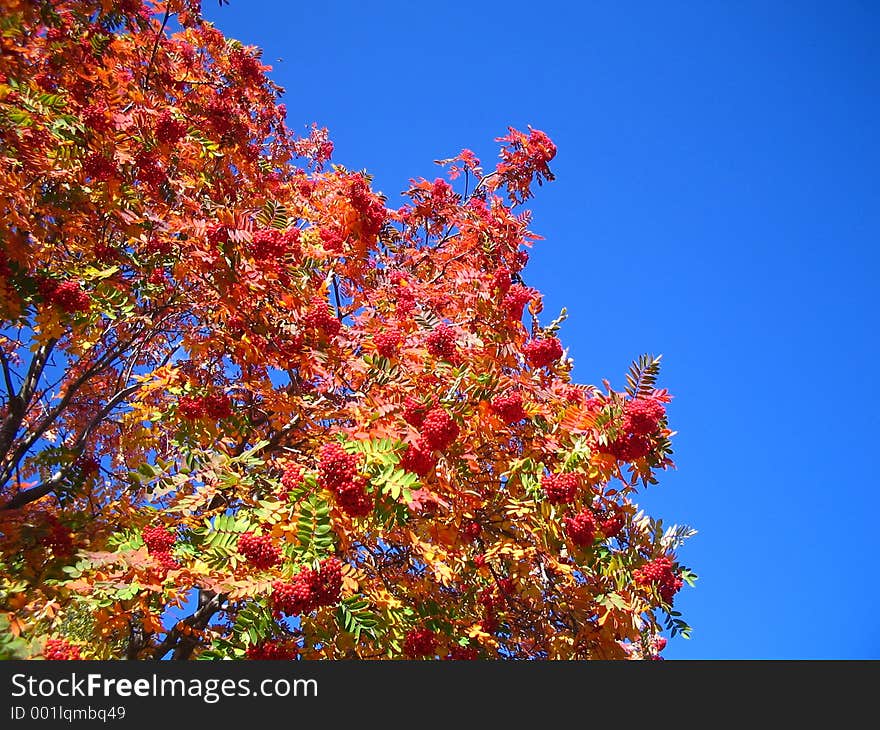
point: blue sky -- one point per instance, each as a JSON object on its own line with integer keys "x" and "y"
{"x": 713, "y": 203}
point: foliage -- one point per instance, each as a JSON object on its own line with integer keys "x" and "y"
{"x": 213, "y": 338}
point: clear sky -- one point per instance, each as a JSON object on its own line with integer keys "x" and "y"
{"x": 714, "y": 202}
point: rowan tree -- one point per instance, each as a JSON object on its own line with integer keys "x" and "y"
{"x": 239, "y": 388}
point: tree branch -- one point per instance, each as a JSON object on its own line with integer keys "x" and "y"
{"x": 183, "y": 644}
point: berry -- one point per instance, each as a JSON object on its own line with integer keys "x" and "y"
{"x": 560, "y": 488}
{"x": 99, "y": 168}
{"x": 165, "y": 560}
{"x": 515, "y": 301}
{"x": 441, "y": 342}
{"x": 191, "y": 408}
{"x": 661, "y": 574}
{"x": 388, "y": 343}
{"x": 217, "y": 406}
{"x": 60, "y": 650}
{"x": 168, "y": 129}
{"x": 414, "y": 410}
{"x": 438, "y": 430}
{"x": 542, "y": 352}
{"x": 369, "y": 206}
{"x": 463, "y": 653}
{"x": 87, "y": 466}
{"x": 291, "y": 479}
{"x": 332, "y": 239}
{"x": 336, "y": 467}
{"x": 66, "y": 295}
{"x": 631, "y": 447}
{"x": 337, "y": 472}
{"x": 58, "y": 538}
{"x": 147, "y": 169}
{"x": 506, "y": 586}
{"x": 611, "y": 525}
{"x": 320, "y": 317}
{"x": 581, "y": 528}
{"x": 501, "y": 280}
{"x": 354, "y": 500}
{"x": 471, "y": 529}
{"x": 158, "y": 539}
{"x": 259, "y": 550}
{"x": 509, "y": 407}
{"x": 327, "y": 588}
{"x": 272, "y": 650}
{"x": 642, "y": 416}
{"x": 96, "y": 118}
{"x": 292, "y": 598}
{"x": 217, "y": 236}
{"x": 268, "y": 243}
{"x": 309, "y": 589}
{"x": 420, "y": 643}
{"x": 417, "y": 461}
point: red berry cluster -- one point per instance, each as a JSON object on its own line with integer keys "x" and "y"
{"x": 158, "y": 539}
{"x": 441, "y": 342}
{"x": 246, "y": 66}
{"x": 337, "y": 472}
{"x": 610, "y": 524}
{"x": 509, "y": 407}
{"x": 97, "y": 118}
{"x": 165, "y": 561}
{"x": 438, "y": 430}
{"x": 99, "y": 168}
{"x": 491, "y": 601}
{"x": 524, "y": 159}
{"x": 66, "y": 295}
{"x": 148, "y": 170}
{"x": 627, "y": 447}
{"x": 168, "y": 129}
{"x": 269, "y": 243}
{"x": 560, "y": 488}
{"x": 471, "y": 529}
{"x": 388, "y": 343}
{"x": 332, "y": 239}
{"x": 272, "y": 650}
{"x": 60, "y": 650}
{"x": 309, "y": 589}
{"x": 661, "y": 573}
{"x": 336, "y": 466}
{"x": 320, "y": 317}
{"x": 515, "y": 301}
{"x": 501, "y": 280}
{"x": 404, "y": 297}
{"x": 259, "y": 550}
{"x": 291, "y": 479}
{"x": 581, "y": 528}
{"x": 58, "y": 538}
{"x": 415, "y": 410}
{"x": 217, "y": 235}
{"x": 420, "y": 643}
{"x": 87, "y": 466}
{"x": 417, "y": 461}
{"x": 542, "y": 351}
{"x": 463, "y": 653}
{"x": 216, "y": 406}
{"x": 642, "y": 416}
{"x": 354, "y": 500}
{"x": 368, "y": 205}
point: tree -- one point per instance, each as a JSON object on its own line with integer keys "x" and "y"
{"x": 238, "y": 386}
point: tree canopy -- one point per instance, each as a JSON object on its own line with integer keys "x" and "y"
{"x": 240, "y": 390}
